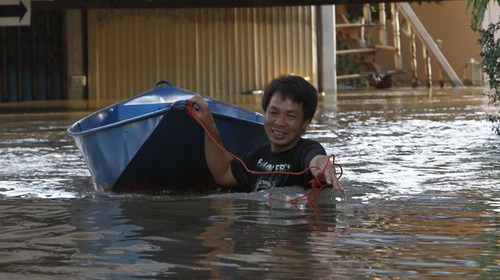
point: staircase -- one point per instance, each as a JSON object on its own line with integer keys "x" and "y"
{"x": 358, "y": 45}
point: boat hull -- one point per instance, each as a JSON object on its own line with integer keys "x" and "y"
{"x": 139, "y": 145}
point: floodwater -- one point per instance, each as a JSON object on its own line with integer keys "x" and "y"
{"x": 421, "y": 170}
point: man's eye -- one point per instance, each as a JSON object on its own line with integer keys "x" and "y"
{"x": 292, "y": 117}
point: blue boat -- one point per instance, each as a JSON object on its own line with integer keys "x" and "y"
{"x": 149, "y": 143}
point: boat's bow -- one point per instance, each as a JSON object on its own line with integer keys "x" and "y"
{"x": 150, "y": 142}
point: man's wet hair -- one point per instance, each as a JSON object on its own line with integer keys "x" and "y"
{"x": 296, "y": 89}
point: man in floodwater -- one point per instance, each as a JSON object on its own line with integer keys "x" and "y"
{"x": 289, "y": 104}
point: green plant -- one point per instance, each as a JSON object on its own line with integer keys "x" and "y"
{"x": 491, "y": 58}
{"x": 491, "y": 65}
{"x": 490, "y": 52}
{"x": 478, "y": 9}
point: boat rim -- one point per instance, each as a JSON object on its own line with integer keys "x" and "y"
{"x": 163, "y": 111}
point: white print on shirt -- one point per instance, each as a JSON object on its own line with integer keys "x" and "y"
{"x": 272, "y": 167}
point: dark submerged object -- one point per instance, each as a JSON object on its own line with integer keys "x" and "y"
{"x": 149, "y": 143}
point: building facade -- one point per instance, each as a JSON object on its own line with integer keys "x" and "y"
{"x": 104, "y": 55}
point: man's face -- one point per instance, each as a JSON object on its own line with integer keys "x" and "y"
{"x": 284, "y": 123}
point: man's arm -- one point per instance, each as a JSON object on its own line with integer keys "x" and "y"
{"x": 218, "y": 161}
{"x": 329, "y": 176}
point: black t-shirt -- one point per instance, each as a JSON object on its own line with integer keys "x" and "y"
{"x": 262, "y": 159}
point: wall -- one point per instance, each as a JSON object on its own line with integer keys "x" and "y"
{"x": 222, "y": 53}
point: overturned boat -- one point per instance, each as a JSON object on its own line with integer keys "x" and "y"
{"x": 149, "y": 143}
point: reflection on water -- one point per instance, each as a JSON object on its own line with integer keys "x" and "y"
{"x": 422, "y": 202}
{"x": 38, "y": 159}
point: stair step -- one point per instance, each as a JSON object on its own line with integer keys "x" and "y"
{"x": 385, "y": 48}
{"x": 367, "y": 74}
{"x": 351, "y": 51}
{"x": 354, "y": 25}
{"x": 354, "y": 76}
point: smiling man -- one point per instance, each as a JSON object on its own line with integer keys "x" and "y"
{"x": 289, "y": 104}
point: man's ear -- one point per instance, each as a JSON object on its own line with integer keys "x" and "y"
{"x": 305, "y": 124}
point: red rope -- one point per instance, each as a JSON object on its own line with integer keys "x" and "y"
{"x": 316, "y": 184}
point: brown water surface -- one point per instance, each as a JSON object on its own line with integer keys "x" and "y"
{"x": 421, "y": 169}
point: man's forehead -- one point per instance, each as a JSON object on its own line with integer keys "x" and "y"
{"x": 282, "y": 102}
{"x": 284, "y": 97}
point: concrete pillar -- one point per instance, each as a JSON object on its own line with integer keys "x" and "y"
{"x": 327, "y": 50}
{"x": 77, "y": 80}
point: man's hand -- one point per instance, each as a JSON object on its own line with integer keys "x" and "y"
{"x": 202, "y": 113}
{"x": 329, "y": 175}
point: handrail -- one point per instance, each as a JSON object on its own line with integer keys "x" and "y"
{"x": 427, "y": 40}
